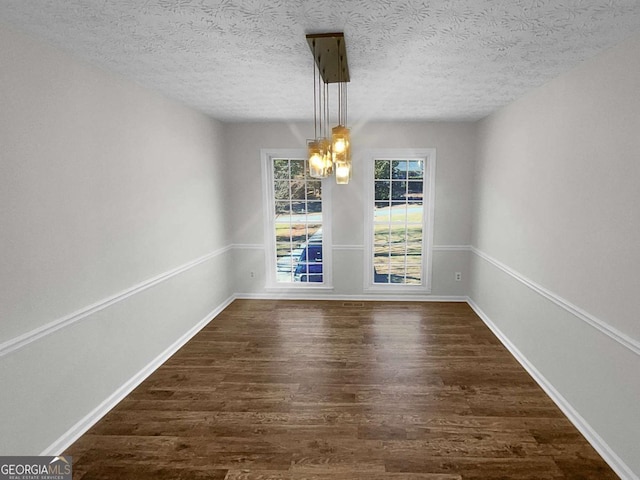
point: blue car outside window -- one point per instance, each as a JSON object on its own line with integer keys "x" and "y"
{"x": 309, "y": 268}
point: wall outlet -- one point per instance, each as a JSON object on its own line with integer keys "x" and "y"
{"x": 458, "y": 276}
{"x": 252, "y": 274}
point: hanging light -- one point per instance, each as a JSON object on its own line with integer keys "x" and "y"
{"x": 340, "y": 134}
{"x": 319, "y": 149}
{"x": 316, "y": 161}
{"x": 330, "y": 66}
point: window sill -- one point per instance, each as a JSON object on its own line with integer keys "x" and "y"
{"x": 397, "y": 288}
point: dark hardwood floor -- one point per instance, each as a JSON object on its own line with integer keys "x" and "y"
{"x": 292, "y": 390}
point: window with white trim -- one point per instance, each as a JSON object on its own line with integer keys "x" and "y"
{"x": 296, "y": 232}
{"x": 399, "y": 213}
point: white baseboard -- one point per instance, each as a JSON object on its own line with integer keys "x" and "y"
{"x": 574, "y": 417}
{"x": 351, "y": 298}
{"x": 77, "y": 430}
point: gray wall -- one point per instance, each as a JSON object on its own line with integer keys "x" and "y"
{"x": 455, "y": 145}
{"x": 556, "y": 235}
{"x": 108, "y": 193}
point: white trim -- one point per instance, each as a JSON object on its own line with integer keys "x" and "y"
{"x": 614, "y": 461}
{"x": 51, "y": 327}
{"x": 84, "y": 424}
{"x": 402, "y": 289}
{"x": 451, "y": 248}
{"x": 293, "y": 287}
{"x": 603, "y": 327}
{"x": 428, "y": 155}
{"x": 348, "y": 247}
{"x": 267, "y": 200}
{"x": 248, "y": 246}
{"x": 374, "y": 297}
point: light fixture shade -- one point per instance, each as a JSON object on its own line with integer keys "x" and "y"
{"x": 343, "y": 172}
{"x": 319, "y": 156}
{"x": 325, "y": 146}
{"x": 341, "y": 143}
{"x": 316, "y": 161}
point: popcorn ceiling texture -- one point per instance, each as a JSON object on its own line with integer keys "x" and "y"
{"x": 409, "y": 60}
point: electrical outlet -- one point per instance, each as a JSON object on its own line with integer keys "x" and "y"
{"x": 252, "y": 274}
{"x": 458, "y": 276}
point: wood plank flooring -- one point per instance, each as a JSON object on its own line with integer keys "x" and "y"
{"x": 292, "y": 390}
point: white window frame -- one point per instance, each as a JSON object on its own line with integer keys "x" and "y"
{"x": 428, "y": 155}
{"x": 267, "y": 156}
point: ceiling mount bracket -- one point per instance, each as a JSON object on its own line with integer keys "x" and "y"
{"x": 330, "y": 54}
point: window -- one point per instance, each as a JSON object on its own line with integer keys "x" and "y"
{"x": 295, "y": 231}
{"x": 400, "y": 219}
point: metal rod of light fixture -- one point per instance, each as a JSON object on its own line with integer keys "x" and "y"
{"x": 315, "y": 102}
{"x": 326, "y": 110}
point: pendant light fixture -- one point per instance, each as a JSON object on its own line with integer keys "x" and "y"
{"x": 325, "y": 154}
{"x": 319, "y": 149}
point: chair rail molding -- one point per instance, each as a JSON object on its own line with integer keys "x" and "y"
{"x": 37, "y": 333}
{"x": 602, "y": 326}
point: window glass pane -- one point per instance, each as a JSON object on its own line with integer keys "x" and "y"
{"x": 298, "y": 234}
{"x": 381, "y": 270}
{"x": 398, "y": 212}
{"x": 314, "y": 233}
{"x": 381, "y": 253}
{"x": 314, "y": 208}
{"x": 298, "y": 169}
{"x": 382, "y": 189}
{"x": 414, "y": 272}
{"x": 399, "y": 190}
{"x": 313, "y": 190}
{"x": 414, "y": 234}
{"x": 414, "y": 191}
{"x": 415, "y": 170}
{"x": 382, "y": 169}
{"x": 281, "y": 190}
{"x": 283, "y": 249}
{"x": 298, "y": 207}
{"x": 281, "y": 168}
{"x": 286, "y": 261}
{"x": 397, "y": 251}
{"x": 283, "y": 233}
{"x": 380, "y": 276}
{"x": 396, "y": 272}
{"x": 381, "y": 256}
{"x": 298, "y": 189}
{"x": 415, "y": 215}
{"x": 414, "y": 251}
{"x": 399, "y": 169}
{"x": 282, "y": 208}
{"x": 381, "y": 235}
{"x": 382, "y": 212}
{"x": 309, "y": 267}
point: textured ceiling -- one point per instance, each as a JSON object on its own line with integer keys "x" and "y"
{"x": 409, "y": 60}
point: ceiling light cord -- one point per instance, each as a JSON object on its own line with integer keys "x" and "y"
{"x": 315, "y": 95}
